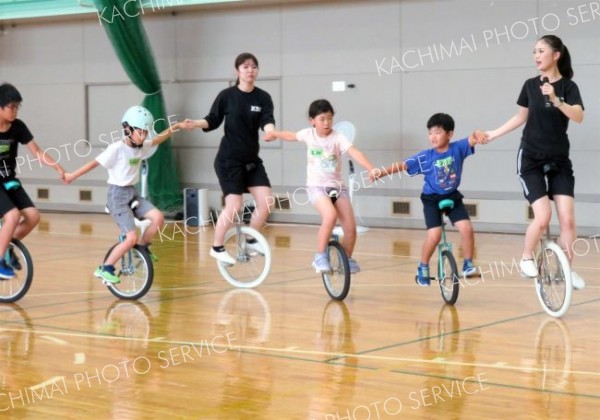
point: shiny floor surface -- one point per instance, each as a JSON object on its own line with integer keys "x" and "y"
{"x": 195, "y": 347}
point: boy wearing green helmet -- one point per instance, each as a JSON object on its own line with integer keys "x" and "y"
{"x": 122, "y": 160}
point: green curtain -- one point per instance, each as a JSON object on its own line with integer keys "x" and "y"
{"x": 121, "y": 20}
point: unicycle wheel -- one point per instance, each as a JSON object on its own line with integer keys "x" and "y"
{"x": 554, "y": 284}
{"x": 136, "y": 272}
{"x": 15, "y": 288}
{"x": 337, "y": 281}
{"x": 253, "y": 263}
{"x": 448, "y": 278}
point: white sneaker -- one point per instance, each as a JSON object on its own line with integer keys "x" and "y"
{"x": 222, "y": 256}
{"x": 578, "y": 282}
{"x": 255, "y": 246}
{"x": 528, "y": 268}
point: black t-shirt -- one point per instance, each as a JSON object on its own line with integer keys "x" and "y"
{"x": 545, "y": 132}
{"x": 245, "y": 113}
{"x": 9, "y": 144}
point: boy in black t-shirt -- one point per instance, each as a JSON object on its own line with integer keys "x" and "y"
{"x": 19, "y": 215}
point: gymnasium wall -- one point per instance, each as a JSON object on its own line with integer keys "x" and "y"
{"x": 406, "y": 59}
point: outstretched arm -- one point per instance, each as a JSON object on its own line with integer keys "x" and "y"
{"x": 516, "y": 121}
{"x": 45, "y": 158}
{"x": 282, "y": 135}
{"x": 394, "y": 168}
{"x": 189, "y": 124}
{"x": 363, "y": 161}
{"x": 166, "y": 134}
{"x": 72, "y": 176}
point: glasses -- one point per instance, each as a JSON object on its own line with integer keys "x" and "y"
{"x": 14, "y": 107}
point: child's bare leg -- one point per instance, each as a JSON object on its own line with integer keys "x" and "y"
{"x": 30, "y": 219}
{"x": 328, "y": 218}
{"x": 345, "y": 214}
{"x": 120, "y": 250}
{"x": 467, "y": 237}
{"x": 157, "y": 219}
{"x": 10, "y": 220}
{"x": 431, "y": 241}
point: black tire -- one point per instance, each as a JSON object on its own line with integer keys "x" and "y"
{"x": 136, "y": 275}
{"x": 337, "y": 281}
{"x": 14, "y": 289}
{"x": 448, "y": 278}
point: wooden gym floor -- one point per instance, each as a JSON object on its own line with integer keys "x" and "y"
{"x": 195, "y": 348}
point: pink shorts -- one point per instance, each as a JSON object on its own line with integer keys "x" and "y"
{"x": 316, "y": 193}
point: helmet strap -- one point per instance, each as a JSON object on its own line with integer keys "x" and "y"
{"x": 128, "y": 132}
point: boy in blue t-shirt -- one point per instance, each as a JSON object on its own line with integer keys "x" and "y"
{"x": 442, "y": 168}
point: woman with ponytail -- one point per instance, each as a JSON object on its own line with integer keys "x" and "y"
{"x": 546, "y": 104}
{"x": 245, "y": 109}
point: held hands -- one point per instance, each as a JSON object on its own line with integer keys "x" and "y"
{"x": 270, "y": 136}
{"x": 188, "y": 124}
{"x": 176, "y": 126}
{"x": 68, "y": 177}
{"x": 61, "y": 172}
{"x": 375, "y": 174}
{"x": 482, "y": 137}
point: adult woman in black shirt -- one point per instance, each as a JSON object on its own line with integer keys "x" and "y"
{"x": 546, "y": 104}
{"x": 245, "y": 109}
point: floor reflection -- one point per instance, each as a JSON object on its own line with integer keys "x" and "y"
{"x": 553, "y": 377}
{"x": 448, "y": 387}
{"x": 248, "y": 384}
{"x": 337, "y": 379}
{"x": 16, "y": 348}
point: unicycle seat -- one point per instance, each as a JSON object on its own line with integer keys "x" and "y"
{"x": 550, "y": 168}
{"x": 446, "y": 205}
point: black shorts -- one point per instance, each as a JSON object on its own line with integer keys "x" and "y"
{"x": 433, "y": 215}
{"x": 235, "y": 177}
{"x": 530, "y": 169}
{"x": 9, "y": 199}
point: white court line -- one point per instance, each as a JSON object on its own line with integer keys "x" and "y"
{"x": 368, "y": 357}
{"x": 54, "y": 340}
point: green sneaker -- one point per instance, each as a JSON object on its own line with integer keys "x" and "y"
{"x": 105, "y": 273}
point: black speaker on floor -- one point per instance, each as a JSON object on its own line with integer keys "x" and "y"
{"x": 191, "y": 209}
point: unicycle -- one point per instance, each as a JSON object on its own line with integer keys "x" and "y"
{"x": 447, "y": 277}
{"x": 553, "y": 284}
{"x": 251, "y": 266}
{"x": 337, "y": 281}
{"x": 15, "y": 288}
{"x": 134, "y": 268}
{"x": 19, "y": 260}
